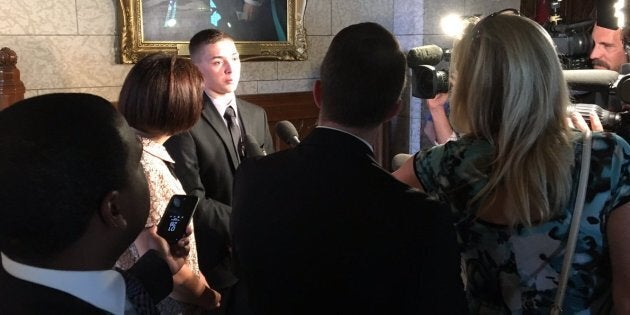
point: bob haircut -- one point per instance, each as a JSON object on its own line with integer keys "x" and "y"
{"x": 162, "y": 95}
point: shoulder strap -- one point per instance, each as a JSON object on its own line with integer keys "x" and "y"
{"x": 575, "y": 224}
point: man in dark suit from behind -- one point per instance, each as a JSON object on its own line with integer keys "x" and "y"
{"x": 322, "y": 228}
{"x": 206, "y": 157}
{"x": 73, "y": 198}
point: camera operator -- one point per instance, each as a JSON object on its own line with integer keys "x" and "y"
{"x": 610, "y": 52}
{"x": 608, "y": 43}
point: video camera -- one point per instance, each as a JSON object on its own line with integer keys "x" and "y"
{"x": 617, "y": 122}
{"x": 426, "y": 81}
{"x": 614, "y": 88}
{"x": 573, "y": 41}
{"x": 573, "y": 44}
{"x": 607, "y": 91}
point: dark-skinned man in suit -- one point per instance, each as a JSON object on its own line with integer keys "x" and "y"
{"x": 74, "y": 198}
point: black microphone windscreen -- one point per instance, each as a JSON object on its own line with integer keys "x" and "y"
{"x": 591, "y": 79}
{"x": 252, "y": 148}
{"x": 287, "y": 132}
{"x": 429, "y": 55}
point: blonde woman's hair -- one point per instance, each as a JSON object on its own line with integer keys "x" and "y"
{"x": 510, "y": 90}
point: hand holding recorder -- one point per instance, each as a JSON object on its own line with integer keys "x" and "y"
{"x": 177, "y": 217}
{"x": 170, "y": 237}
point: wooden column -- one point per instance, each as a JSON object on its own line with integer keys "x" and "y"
{"x": 11, "y": 87}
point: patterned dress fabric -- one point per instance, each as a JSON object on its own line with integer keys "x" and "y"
{"x": 162, "y": 185}
{"x": 516, "y": 270}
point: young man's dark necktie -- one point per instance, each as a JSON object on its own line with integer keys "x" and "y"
{"x": 235, "y": 130}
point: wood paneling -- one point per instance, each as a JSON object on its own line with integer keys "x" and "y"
{"x": 570, "y": 11}
{"x": 298, "y": 108}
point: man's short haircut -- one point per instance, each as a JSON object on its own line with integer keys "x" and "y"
{"x": 203, "y": 38}
{"x": 362, "y": 75}
{"x": 60, "y": 154}
{"x": 162, "y": 94}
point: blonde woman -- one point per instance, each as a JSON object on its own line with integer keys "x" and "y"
{"x": 511, "y": 179}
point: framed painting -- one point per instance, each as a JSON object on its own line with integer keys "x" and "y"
{"x": 262, "y": 29}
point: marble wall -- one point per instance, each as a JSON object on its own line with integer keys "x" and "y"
{"x": 71, "y": 45}
{"x": 416, "y": 23}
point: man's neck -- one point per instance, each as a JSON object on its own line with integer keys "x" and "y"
{"x": 214, "y": 95}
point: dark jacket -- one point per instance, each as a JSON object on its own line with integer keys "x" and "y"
{"x": 323, "y": 229}
{"x": 205, "y": 161}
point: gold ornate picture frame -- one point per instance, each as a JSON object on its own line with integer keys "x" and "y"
{"x": 138, "y": 36}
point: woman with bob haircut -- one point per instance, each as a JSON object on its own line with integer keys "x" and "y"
{"x": 511, "y": 179}
{"x": 162, "y": 96}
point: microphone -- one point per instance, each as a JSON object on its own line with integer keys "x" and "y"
{"x": 287, "y": 133}
{"x": 252, "y": 148}
{"x": 611, "y": 121}
{"x": 425, "y": 55}
{"x": 591, "y": 79}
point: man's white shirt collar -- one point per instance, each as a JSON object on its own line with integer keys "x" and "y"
{"x": 104, "y": 289}
{"x": 221, "y": 103}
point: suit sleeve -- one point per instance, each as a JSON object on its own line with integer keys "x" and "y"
{"x": 211, "y": 217}
{"x": 441, "y": 254}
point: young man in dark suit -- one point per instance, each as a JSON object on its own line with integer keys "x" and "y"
{"x": 322, "y": 228}
{"x": 207, "y": 155}
{"x": 74, "y": 197}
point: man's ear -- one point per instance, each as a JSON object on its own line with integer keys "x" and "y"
{"x": 317, "y": 93}
{"x": 110, "y": 211}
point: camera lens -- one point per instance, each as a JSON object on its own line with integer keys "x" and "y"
{"x": 427, "y": 82}
{"x": 441, "y": 79}
{"x": 177, "y": 202}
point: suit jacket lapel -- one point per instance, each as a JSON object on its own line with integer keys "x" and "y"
{"x": 216, "y": 122}
{"x": 245, "y": 114}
